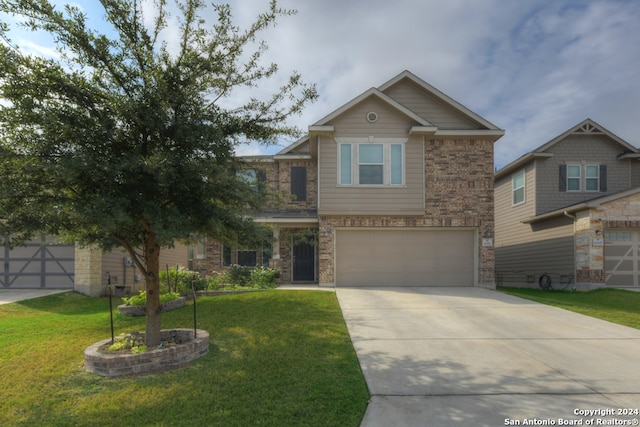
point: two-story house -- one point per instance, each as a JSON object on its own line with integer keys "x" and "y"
{"x": 569, "y": 213}
{"x": 394, "y": 188}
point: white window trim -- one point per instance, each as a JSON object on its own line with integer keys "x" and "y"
{"x": 524, "y": 188}
{"x": 355, "y": 161}
{"x": 597, "y": 190}
{"x": 580, "y": 178}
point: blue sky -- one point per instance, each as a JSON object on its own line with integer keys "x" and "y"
{"x": 532, "y": 67}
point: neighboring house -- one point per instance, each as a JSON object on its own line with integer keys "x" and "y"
{"x": 48, "y": 264}
{"x": 570, "y": 210}
{"x": 394, "y": 188}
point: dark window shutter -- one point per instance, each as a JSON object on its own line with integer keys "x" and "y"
{"x": 261, "y": 175}
{"x": 563, "y": 177}
{"x": 603, "y": 178}
{"x": 299, "y": 183}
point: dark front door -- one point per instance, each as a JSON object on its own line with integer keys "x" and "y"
{"x": 304, "y": 265}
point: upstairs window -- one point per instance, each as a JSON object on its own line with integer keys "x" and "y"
{"x": 517, "y": 187}
{"x": 299, "y": 183}
{"x": 592, "y": 177}
{"x": 575, "y": 177}
{"x": 371, "y": 164}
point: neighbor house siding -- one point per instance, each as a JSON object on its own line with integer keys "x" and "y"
{"x": 427, "y": 105}
{"x": 580, "y": 149}
{"x": 509, "y": 228}
{"x": 526, "y": 251}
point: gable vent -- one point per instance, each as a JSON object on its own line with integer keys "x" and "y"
{"x": 588, "y": 128}
{"x": 372, "y": 117}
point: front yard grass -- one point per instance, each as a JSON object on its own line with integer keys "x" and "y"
{"x": 613, "y": 305}
{"x": 276, "y": 358}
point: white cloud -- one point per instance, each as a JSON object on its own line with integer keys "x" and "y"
{"x": 532, "y": 67}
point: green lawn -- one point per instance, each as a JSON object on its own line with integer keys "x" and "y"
{"x": 276, "y": 358}
{"x": 614, "y": 305}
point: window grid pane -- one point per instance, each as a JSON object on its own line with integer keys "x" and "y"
{"x": 371, "y": 154}
{"x": 573, "y": 178}
{"x": 371, "y": 174}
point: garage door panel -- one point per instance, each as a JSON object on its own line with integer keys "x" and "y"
{"x": 405, "y": 258}
{"x": 622, "y": 258}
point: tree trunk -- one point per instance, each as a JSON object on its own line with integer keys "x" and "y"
{"x": 152, "y": 287}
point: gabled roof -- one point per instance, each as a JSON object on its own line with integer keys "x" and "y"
{"x": 586, "y": 127}
{"x": 373, "y": 92}
{"x": 440, "y": 95}
{"x": 422, "y": 125}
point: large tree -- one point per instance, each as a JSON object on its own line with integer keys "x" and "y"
{"x": 127, "y": 137}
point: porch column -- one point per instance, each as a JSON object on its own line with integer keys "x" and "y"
{"x": 274, "y": 262}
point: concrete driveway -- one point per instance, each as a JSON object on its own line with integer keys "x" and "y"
{"x": 8, "y": 296}
{"x": 472, "y": 356}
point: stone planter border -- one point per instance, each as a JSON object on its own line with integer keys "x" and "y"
{"x": 150, "y": 362}
{"x": 138, "y": 310}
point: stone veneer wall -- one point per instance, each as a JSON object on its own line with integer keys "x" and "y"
{"x": 593, "y": 224}
{"x": 459, "y": 193}
{"x": 88, "y": 271}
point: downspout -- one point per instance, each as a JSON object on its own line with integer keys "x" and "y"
{"x": 575, "y": 255}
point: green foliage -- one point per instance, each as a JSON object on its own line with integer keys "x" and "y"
{"x": 264, "y": 278}
{"x": 127, "y": 140}
{"x": 129, "y": 342}
{"x": 141, "y": 298}
{"x": 181, "y": 280}
{"x": 238, "y": 277}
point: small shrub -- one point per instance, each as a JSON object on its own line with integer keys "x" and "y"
{"x": 238, "y": 275}
{"x": 264, "y": 278}
{"x": 181, "y": 280}
{"x": 141, "y": 298}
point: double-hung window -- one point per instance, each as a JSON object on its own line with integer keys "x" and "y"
{"x": 583, "y": 177}
{"x": 573, "y": 177}
{"x": 517, "y": 186}
{"x": 592, "y": 177}
{"x": 371, "y": 164}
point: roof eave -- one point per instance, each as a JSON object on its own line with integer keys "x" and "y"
{"x": 519, "y": 163}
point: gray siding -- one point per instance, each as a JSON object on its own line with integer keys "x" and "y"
{"x": 549, "y": 250}
{"x": 429, "y": 107}
{"x": 526, "y": 251}
{"x": 634, "y": 171}
{"x": 589, "y": 149}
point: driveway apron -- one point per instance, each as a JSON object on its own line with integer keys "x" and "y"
{"x": 472, "y": 356}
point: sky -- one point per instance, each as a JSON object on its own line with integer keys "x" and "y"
{"x": 534, "y": 68}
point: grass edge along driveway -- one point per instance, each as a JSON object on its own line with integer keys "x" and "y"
{"x": 613, "y": 305}
{"x": 276, "y": 358}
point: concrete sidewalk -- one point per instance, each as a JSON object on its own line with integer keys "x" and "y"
{"x": 8, "y": 296}
{"x": 471, "y": 356}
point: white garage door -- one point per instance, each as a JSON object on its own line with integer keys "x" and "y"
{"x": 622, "y": 258}
{"x": 405, "y": 257}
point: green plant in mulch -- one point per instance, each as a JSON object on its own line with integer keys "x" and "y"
{"x": 141, "y": 298}
{"x": 130, "y": 343}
